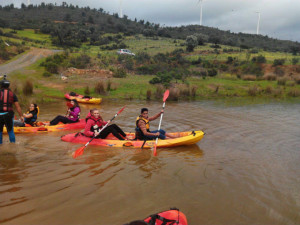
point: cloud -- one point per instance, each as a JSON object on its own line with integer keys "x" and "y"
{"x": 279, "y": 18}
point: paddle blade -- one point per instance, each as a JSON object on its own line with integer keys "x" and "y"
{"x": 78, "y": 152}
{"x": 166, "y": 95}
{"x": 121, "y": 110}
{"x": 154, "y": 151}
{"x": 69, "y": 104}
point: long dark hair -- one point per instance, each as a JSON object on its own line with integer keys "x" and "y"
{"x": 75, "y": 103}
{"x": 36, "y": 109}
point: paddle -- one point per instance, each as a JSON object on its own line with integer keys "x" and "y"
{"x": 69, "y": 105}
{"x": 166, "y": 95}
{"x": 79, "y": 151}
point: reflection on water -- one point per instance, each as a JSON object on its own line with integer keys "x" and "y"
{"x": 244, "y": 171}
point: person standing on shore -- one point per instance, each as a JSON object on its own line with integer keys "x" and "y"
{"x": 7, "y": 100}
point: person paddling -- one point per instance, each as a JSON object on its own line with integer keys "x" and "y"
{"x": 72, "y": 115}
{"x": 142, "y": 130}
{"x": 30, "y": 117}
{"x": 94, "y": 123}
{"x": 7, "y": 100}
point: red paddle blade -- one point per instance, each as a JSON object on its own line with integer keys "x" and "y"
{"x": 69, "y": 104}
{"x": 121, "y": 110}
{"x": 78, "y": 152}
{"x": 166, "y": 95}
{"x": 154, "y": 151}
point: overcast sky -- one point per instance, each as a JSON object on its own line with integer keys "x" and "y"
{"x": 278, "y": 18}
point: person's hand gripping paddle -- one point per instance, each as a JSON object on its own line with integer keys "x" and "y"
{"x": 166, "y": 95}
{"x": 80, "y": 150}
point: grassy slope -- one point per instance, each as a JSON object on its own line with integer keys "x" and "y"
{"x": 136, "y": 86}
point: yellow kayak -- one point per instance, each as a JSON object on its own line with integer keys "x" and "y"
{"x": 41, "y": 129}
{"x": 83, "y": 99}
{"x": 184, "y": 138}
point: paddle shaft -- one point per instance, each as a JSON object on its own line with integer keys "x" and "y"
{"x": 161, "y": 116}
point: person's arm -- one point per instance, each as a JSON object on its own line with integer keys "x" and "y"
{"x": 142, "y": 126}
{"x": 87, "y": 129}
{"x": 156, "y": 116}
{"x": 28, "y": 115}
{"x": 18, "y": 108}
{"x": 75, "y": 112}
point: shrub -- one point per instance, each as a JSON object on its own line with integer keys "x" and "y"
{"x": 120, "y": 73}
{"x": 194, "y": 91}
{"x": 51, "y": 67}
{"x": 159, "y": 91}
{"x": 212, "y": 72}
{"x": 297, "y": 79}
{"x": 278, "y": 71}
{"x": 87, "y": 90}
{"x": 99, "y": 88}
{"x": 174, "y": 94}
{"x": 47, "y": 74}
{"x": 295, "y": 61}
{"x": 108, "y": 85}
{"x": 27, "y": 88}
{"x": 277, "y": 92}
{"x": 249, "y": 77}
{"x": 282, "y": 81}
{"x": 294, "y": 93}
{"x": 278, "y": 62}
{"x": 270, "y": 77}
{"x": 269, "y": 90}
{"x": 148, "y": 94}
{"x": 253, "y": 91}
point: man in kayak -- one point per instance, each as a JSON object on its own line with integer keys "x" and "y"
{"x": 142, "y": 130}
{"x": 7, "y": 100}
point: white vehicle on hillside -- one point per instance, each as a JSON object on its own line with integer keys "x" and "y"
{"x": 125, "y": 52}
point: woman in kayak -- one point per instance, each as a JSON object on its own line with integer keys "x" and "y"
{"x": 94, "y": 123}
{"x": 29, "y": 118}
{"x": 143, "y": 127}
{"x": 72, "y": 115}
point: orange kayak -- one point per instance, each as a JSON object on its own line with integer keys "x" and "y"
{"x": 169, "y": 217}
{"x": 41, "y": 129}
{"x": 82, "y": 99}
{"x": 184, "y": 138}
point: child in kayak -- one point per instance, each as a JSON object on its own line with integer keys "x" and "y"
{"x": 29, "y": 118}
{"x": 72, "y": 115}
{"x": 143, "y": 127}
{"x": 94, "y": 123}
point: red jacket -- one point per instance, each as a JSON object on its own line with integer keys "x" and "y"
{"x": 90, "y": 123}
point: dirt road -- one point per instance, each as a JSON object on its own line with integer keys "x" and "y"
{"x": 25, "y": 60}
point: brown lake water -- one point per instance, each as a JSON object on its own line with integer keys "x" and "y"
{"x": 246, "y": 169}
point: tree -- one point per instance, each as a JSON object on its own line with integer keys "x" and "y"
{"x": 191, "y": 42}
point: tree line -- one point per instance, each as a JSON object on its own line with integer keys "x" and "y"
{"x": 70, "y": 25}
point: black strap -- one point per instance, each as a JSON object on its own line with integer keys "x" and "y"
{"x": 164, "y": 220}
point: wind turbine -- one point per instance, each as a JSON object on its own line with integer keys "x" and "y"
{"x": 121, "y": 11}
{"x": 200, "y": 1}
{"x": 257, "y": 29}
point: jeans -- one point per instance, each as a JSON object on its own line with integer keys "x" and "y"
{"x": 7, "y": 119}
{"x": 161, "y": 134}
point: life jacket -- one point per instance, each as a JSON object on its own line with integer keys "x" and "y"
{"x": 138, "y": 133}
{"x": 6, "y": 100}
{"x": 97, "y": 122}
{"x": 169, "y": 217}
{"x": 34, "y": 117}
